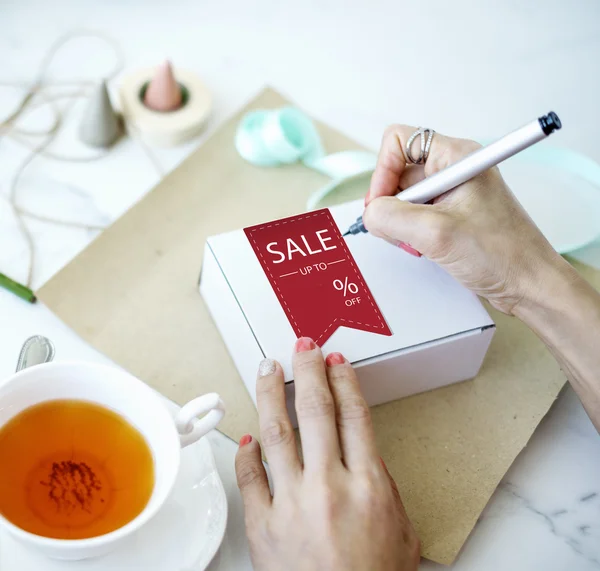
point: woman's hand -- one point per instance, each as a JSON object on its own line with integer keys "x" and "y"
{"x": 478, "y": 232}
{"x": 482, "y": 236}
{"x": 339, "y": 510}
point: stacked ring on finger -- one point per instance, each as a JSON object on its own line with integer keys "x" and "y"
{"x": 425, "y": 145}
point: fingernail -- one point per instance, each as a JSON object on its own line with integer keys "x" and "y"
{"x": 368, "y": 197}
{"x": 304, "y": 344}
{"x": 266, "y": 367}
{"x": 409, "y": 249}
{"x": 335, "y": 359}
{"x": 246, "y": 439}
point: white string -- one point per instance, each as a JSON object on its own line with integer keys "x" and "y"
{"x": 40, "y": 93}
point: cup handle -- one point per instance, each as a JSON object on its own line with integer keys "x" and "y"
{"x": 192, "y": 429}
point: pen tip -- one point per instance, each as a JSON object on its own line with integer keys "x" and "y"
{"x": 346, "y": 234}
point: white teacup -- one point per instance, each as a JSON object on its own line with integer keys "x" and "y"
{"x": 134, "y": 401}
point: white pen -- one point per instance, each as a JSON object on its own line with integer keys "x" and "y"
{"x": 474, "y": 164}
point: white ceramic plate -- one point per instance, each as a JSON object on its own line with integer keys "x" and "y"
{"x": 184, "y": 536}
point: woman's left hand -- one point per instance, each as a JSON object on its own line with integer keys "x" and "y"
{"x": 340, "y": 509}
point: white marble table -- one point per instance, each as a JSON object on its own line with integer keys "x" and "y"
{"x": 466, "y": 68}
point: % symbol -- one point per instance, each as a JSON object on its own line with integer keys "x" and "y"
{"x": 345, "y": 286}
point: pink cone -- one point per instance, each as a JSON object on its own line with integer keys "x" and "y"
{"x": 163, "y": 92}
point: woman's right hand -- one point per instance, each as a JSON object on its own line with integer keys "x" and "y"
{"x": 478, "y": 231}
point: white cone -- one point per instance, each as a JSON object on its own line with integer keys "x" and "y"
{"x": 100, "y": 126}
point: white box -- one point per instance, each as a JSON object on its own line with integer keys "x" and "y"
{"x": 441, "y": 332}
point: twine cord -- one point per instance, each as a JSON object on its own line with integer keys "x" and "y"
{"x": 41, "y": 93}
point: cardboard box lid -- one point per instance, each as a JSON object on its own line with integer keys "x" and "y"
{"x": 418, "y": 299}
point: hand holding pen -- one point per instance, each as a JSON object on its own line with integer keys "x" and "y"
{"x": 476, "y": 230}
{"x": 467, "y": 166}
{"x": 480, "y": 234}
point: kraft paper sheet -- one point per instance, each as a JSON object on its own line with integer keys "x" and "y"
{"x": 133, "y": 294}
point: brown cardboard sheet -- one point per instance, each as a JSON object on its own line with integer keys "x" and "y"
{"x": 133, "y": 294}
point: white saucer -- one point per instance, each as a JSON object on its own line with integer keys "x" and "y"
{"x": 184, "y": 536}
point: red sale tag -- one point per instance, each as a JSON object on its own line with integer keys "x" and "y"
{"x": 314, "y": 276}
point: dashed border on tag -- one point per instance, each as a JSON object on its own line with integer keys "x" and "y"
{"x": 274, "y": 280}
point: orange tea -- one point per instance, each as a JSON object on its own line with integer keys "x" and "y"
{"x": 72, "y": 469}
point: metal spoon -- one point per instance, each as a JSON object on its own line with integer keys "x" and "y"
{"x": 35, "y": 351}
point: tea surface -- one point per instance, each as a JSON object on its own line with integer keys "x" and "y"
{"x": 72, "y": 469}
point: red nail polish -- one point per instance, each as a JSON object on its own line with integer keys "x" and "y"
{"x": 246, "y": 439}
{"x": 304, "y": 344}
{"x": 409, "y": 249}
{"x": 334, "y": 359}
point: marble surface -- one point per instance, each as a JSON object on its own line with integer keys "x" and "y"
{"x": 467, "y": 68}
